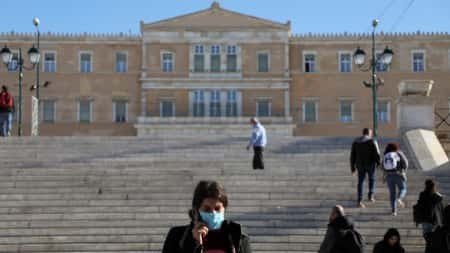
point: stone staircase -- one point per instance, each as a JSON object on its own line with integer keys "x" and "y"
{"x": 122, "y": 194}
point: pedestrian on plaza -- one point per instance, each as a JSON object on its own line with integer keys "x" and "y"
{"x": 390, "y": 243}
{"x": 258, "y": 142}
{"x": 429, "y": 212}
{"x": 341, "y": 236}
{"x": 208, "y": 231}
{"x": 364, "y": 159}
{"x": 6, "y": 111}
{"x": 395, "y": 165}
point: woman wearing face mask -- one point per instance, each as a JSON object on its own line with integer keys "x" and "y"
{"x": 390, "y": 244}
{"x": 208, "y": 231}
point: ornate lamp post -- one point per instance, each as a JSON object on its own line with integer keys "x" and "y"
{"x": 359, "y": 58}
{"x": 36, "y": 23}
{"x": 34, "y": 56}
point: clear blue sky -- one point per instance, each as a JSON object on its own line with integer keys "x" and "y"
{"x": 317, "y": 16}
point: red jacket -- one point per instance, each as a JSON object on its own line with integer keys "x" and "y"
{"x": 6, "y": 102}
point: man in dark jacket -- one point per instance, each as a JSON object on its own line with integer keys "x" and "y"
{"x": 364, "y": 159}
{"x": 440, "y": 242}
{"x": 338, "y": 225}
{"x": 180, "y": 240}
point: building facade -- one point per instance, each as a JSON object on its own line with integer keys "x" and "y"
{"x": 209, "y": 71}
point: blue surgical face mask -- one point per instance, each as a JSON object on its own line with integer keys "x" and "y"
{"x": 213, "y": 220}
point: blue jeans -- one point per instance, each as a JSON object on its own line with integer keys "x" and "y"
{"x": 5, "y": 123}
{"x": 395, "y": 181}
{"x": 370, "y": 171}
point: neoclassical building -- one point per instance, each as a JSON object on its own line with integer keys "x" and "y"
{"x": 209, "y": 71}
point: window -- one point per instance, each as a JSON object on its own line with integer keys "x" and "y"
{"x": 232, "y": 104}
{"x": 85, "y": 62}
{"x": 263, "y": 108}
{"x": 121, "y": 62}
{"x": 14, "y": 64}
{"x": 167, "y": 108}
{"x": 346, "y": 111}
{"x": 381, "y": 67}
{"x": 199, "y": 103}
{"x": 85, "y": 111}
{"x": 167, "y": 60}
{"x": 199, "y": 58}
{"x": 345, "y": 62}
{"x": 231, "y": 59}
{"x": 263, "y": 62}
{"x": 309, "y": 60}
{"x": 383, "y": 111}
{"x": 49, "y": 62}
{"x": 48, "y": 111}
{"x": 418, "y": 61}
{"x": 120, "y": 111}
{"x": 215, "y": 58}
{"x": 214, "y": 109}
{"x": 310, "y": 111}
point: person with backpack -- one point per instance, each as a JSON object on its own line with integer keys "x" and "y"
{"x": 208, "y": 231}
{"x": 364, "y": 159}
{"x": 390, "y": 243}
{"x": 429, "y": 211}
{"x": 395, "y": 165}
{"x": 440, "y": 240}
{"x": 341, "y": 237}
{"x": 6, "y": 110}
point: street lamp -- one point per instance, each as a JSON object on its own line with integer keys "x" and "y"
{"x": 36, "y": 23}
{"x": 359, "y": 58}
{"x": 34, "y": 57}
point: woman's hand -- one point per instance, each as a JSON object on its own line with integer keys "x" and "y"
{"x": 199, "y": 231}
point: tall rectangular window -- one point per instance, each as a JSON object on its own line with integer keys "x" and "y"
{"x": 199, "y": 103}
{"x": 85, "y": 111}
{"x": 418, "y": 61}
{"x": 381, "y": 67}
{"x": 263, "y": 108}
{"x": 48, "y": 111}
{"x": 215, "y": 58}
{"x": 49, "y": 62}
{"x": 167, "y": 108}
{"x": 263, "y": 62}
{"x": 167, "y": 61}
{"x": 383, "y": 111}
{"x": 214, "y": 107}
{"x": 85, "y": 62}
{"x": 14, "y": 64}
{"x": 231, "y": 59}
{"x": 199, "y": 58}
{"x": 345, "y": 62}
{"x": 346, "y": 111}
{"x": 232, "y": 104}
{"x": 310, "y": 111}
{"x": 120, "y": 112}
{"x": 309, "y": 63}
{"x": 121, "y": 62}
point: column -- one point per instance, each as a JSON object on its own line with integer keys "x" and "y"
{"x": 286, "y": 103}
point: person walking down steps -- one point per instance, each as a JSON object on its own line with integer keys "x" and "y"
{"x": 258, "y": 141}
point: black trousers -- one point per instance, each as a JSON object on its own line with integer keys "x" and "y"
{"x": 258, "y": 161}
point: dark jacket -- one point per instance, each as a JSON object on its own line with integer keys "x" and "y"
{"x": 432, "y": 207}
{"x": 441, "y": 237}
{"x": 336, "y": 229}
{"x": 180, "y": 239}
{"x": 384, "y": 247}
{"x": 365, "y": 153}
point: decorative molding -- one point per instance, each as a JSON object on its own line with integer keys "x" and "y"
{"x": 236, "y": 86}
